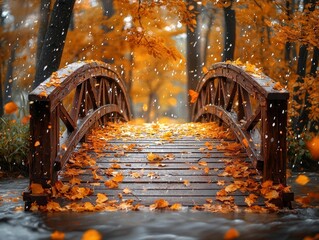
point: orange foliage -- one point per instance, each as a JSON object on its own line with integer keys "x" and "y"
{"x": 313, "y": 147}
{"x": 194, "y": 95}
{"x": 232, "y": 233}
{"x": 10, "y": 107}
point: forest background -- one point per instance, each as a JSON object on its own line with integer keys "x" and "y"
{"x": 161, "y": 48}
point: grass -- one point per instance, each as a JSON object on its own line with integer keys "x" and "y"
{"x": 14, "y": 146}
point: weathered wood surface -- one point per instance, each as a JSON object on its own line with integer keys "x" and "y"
{"x": 189, "y": 174}
{"x": 254, "y": 106}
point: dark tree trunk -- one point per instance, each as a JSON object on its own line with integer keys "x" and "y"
{"x": 302, "y": 121}
{"x": 290, "y": 5}
{"x": 2, "y": 65}
{"x": 9, "y": 76}
{"x": 314, "y": 62}
{"x": 51, "y": 52}
{"x": 108, "y": 8}
{"x": 193, "y": 54}
{"x": 44, "y": 20}
{"x": 230, "y": 33}
{"x": 207, "y": 34}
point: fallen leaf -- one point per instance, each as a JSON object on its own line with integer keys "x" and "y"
{"x": 159, "y": 204}
{"x": 250, "y": 199}
{"x": 277, "y": 86}
{"x": 154, "y": 157}
{"x": 36, "y": 188}
{"x": 127, "y": 191}
{"x": 56, "y": 235}
{"x": 186, "y": 183}
{"x": 91, "y": 234}
{"x": 111, "y": 184}
{"x": 101, "y": 198}
{"x": 302, "y": 179}
{"x": 232, "y": 233}
{"x": 176, "y": 207}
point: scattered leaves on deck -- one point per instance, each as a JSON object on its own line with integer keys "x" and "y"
{"x": 86, "y": 184}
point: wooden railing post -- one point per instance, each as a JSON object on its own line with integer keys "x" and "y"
{"x": 44, "y": 132}
{"x": 273, "y": 140}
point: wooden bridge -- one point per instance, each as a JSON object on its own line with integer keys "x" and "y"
{"x": 239, "y": 122}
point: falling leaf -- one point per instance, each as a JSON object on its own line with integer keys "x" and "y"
{"x": 36, "y": 188}
{"x": 204, "y": 69}
{"x": 232, "y": 233}
{"x": 91, "y": 234}
{"x": 101, "y": 198}
{"x": 313, "y": 147}
{"x": 56, "y": 235}
{"x": 193, "y": 94}
{"x": 10, "y": 107}
{"x": 37, "y": 143}
{"x": 302, "y": 179}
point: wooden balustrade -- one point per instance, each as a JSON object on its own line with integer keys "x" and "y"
{"x": 63, "y": 109}
{"x": 254, "y": 107}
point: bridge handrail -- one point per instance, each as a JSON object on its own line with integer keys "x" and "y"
{"x": 99, "y": 95}
{"x": 254, "y": 107}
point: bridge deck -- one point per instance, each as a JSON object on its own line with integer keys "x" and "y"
{"x": 154, "y": 165}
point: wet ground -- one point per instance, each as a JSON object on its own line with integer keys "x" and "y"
{"x": 293, "y": 224}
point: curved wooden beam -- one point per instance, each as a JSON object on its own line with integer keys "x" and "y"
{"x": 74, "y": 99}
{"x": 254, "y": 107}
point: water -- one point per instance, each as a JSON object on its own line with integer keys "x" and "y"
{"x": 183, "y": 225}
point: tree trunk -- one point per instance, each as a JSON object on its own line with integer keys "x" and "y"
{"x": 314, "y": 62}
{"x": 207, "y": 34}
{"x": 52, "y": 50}
{"x": 108, "y": 8}
{"x": 9, "y": 76}
{"x": 193, "y": 54}
{"x": 44, "y": 20}
{"x": 230, "y": 33}
{"x": 2, "y": 65}
{"x": 290, "y": 5}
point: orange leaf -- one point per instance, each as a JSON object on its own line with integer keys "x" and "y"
{"x": 245, "y": 142}
{"x": 91, "y": 234}
{"x": 232, "y": 233}
{"x": 250, "y": 200}
{"x": 186, "y": 183}
{"x": 193, "y": 94}
{"x": 101, "y": 198}
{"x": 43, "y": 94}
{"x": 273, "y": 194}
{"x": 56, "y": 235}
{"x": 277, "y": 86}
{"x": 302, "y": 179}
{"x": 159, "y": 204}
{"x": 111, "y": 184}
{"x": 127, "y": 191}
{"x": 36, "y": 188}
{"x": 313, "y": 147}
{"x": 176, "y": 207}
{"x": 204, "y": 69}
{"x": 25, "y": 120}
{"x": 37, "y": 143}
{"x": 118, "y": 177}
{"x": 10, "y": 107}
{"x": 206, "y": 170}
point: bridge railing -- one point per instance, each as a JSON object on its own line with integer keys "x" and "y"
{"x": 254, "y": 107}
{"x": 63, "y": 108}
